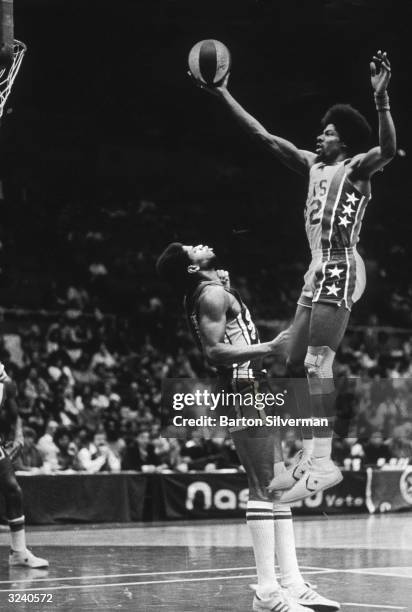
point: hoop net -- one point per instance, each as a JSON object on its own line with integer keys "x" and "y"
{"x": 9, "y": 73}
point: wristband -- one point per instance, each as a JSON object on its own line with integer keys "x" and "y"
{"x": 382, "y": 101}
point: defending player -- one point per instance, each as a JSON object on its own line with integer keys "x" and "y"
{"x": 339, "y": 175}
{"x": 9, "y": 487}
{"x": 222, "y": 326}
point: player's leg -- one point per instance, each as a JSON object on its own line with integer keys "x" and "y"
{"x": 296, "y": 372}
{"x": 19, "y": 555}
{"x": 291, "y": 579}
{"x": 296, "y": 366}
{"x": 327, "y": 327}
{"x": 258, "y": 453}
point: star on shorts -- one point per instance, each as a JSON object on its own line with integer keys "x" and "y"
{"x": 333, "y": 289}
{"x": 335, "y": 272}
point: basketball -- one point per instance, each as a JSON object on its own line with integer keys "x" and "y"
{"x": 209, "y": 62}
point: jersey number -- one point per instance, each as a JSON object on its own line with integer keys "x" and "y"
{"x": 319, "y": 189}
{"x": 315, "y": 207}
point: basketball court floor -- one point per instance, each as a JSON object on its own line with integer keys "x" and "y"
{"x": 364, "y": 562}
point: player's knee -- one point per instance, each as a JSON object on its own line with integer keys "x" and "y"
{"x": 319, "y": 362}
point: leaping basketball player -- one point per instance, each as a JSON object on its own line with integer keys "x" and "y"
{"x": 339, "y": 176}
{"x": 10, "y": 423}
{"x": 11, "y": 56}
{"x": 224, "y": 330}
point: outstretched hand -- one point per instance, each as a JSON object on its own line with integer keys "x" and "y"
{"x": 280, "y": 344}
{"x": 214, "y": 90}
{"x": 380, "y": 72}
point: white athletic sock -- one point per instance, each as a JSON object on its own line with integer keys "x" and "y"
{"x": 17, "y": 534}
{"x": 322, "y": 447}
{"x": 290, "y": 575}
{"x": 307, "y": 445}
{"x": 259, "y": 517}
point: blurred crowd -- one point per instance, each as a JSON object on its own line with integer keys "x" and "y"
{"x": 89, "y": 390}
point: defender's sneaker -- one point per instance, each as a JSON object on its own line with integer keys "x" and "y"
{"x": 309, "y": 597}
{"x": 322, "y": 474}
{"x": 278, "y": 601}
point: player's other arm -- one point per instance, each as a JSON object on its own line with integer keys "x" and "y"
{"x": 212, "y": 322}
{"x": 9, "y": 392}
{"x": 379, "y": 156}
{"x": 297, "y": 159}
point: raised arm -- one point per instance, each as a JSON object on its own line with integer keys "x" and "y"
{"x": 379, "y": 156}
{"x": 297, "y": 159}
{"x": 212, "y": 322}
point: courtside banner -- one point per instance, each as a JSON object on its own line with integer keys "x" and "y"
{"x": 390, "y": 490}
{"x": 202, "y": 495}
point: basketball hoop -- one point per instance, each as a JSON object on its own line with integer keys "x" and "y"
{"x": 9, "y": 73}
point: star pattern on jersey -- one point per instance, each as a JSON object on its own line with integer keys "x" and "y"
{"x": 332, "y": 289}
{"x": 335, "y": 272}
{"x": 344, "y": 221}
{"x": 348, "y": 210}
{"x": 351, "y": 197}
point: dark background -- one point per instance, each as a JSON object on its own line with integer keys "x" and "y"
{"x": 104, "y": 117}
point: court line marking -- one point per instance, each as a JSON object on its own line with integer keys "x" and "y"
{"x": 314, "y": 570}
{"x": 112, "y": 584}
{"x": 371, "y": 572}
{"x": 174, "y": 581}
{"x": 359, "y": 605}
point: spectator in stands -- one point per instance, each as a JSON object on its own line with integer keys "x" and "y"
{"x": 67, "y": 450}
{"x": 375, "y": 449}
{"x": 35, "y": 387}
{"x": 46, "y": 446}
{"x": 96, "y": 456}
{"x": 103, "y": 356}
{"x": 400, "y": 444}
{"x": 30, "y": 459}
{"x": 115, "y": 442}
{"x": 140, "y": 452}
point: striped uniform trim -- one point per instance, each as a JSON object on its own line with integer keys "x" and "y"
{"x": 358, "y": 217}
{"x": 208, "y": 60}
{"x": 259, "y": 511}
{"x": 350, "y": 278}
{"x": 259, "y": 505}
{"x": 332, "y": 202}
{"x": 282, "y": 511}
{"x": 17, "y": 524}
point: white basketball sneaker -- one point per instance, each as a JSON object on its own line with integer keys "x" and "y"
{"x": 307, "y": 596}
{"x": 278, "y": 601}
{"x": 322, "y": 474}
{"x": 300, "y": 464}
{"x": 25, "y": 558}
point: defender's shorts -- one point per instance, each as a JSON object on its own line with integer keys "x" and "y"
{"x": 334, "y": 277}
{"x": 237, "y": 389}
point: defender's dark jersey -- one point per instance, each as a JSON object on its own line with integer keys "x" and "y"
{"x": 240, "y": 330}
